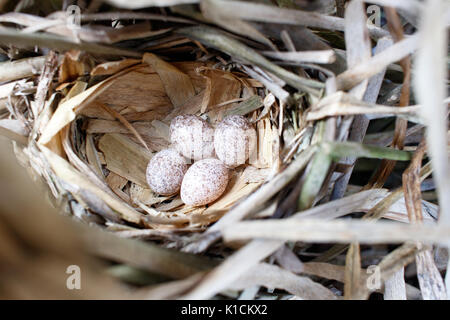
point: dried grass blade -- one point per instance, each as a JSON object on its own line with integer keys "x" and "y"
{"x": 266, "y": 13}
{"x": 352, "y": 273}
{"x": 430, "y": 280}
{"x": 219, "y": 40}
{"x": 177, "y": 84}
{"x": 125, "y": 157}
{"x": 125, "y": 122}
{"x": 143, "y": 255}
{"x": 17, "y": 38}
{"x": 232, "y": 268}
{"x": 386, "y": 167}
{"x": 395, "y": 286}
{"x": 232, "y": 24}
{"x": 320, "y": 56}
{"x": 361, "y": 122}
{"x": 377, "y": 63}
{"x": 14, "y": 130}
{"x": 341, "y": 231}
{"x": 245, "y": 107}
{"x": 272, "y": 276}
{"x": 357, "y": 41}
{"x": 411, "y": 113}
{"x": 112, "y": 67}
{"x": 140, "y": 4}
{"x": 66, "y": 172}
{"x": 252, "y": 253}
{"x": 23, "y": 68}
{"x": 390, "y": 265}
{"x": 429, "y": 79}
{"x": 68, "y": 109}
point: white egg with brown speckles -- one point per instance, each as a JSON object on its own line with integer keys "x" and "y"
{"x": 235, "y": 140}
{"x": 204, "y": 182}
{"x": 165, "y": 172}
{"x": 192, "y": 136}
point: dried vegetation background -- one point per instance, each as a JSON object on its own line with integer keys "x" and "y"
{"x": 347, "y": 198}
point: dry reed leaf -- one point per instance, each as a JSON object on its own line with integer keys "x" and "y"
{"x": 65, "y": 172}
{"x": 32, "y": 257}
{"x": 232, "y": 24}
{"x": 116, "y": 183}
{"x": 125, "y": 122}
{"x": 98, "y": 34}
{"x": 232, "y": 268}
{"x": 430, "y": 280}
{"x": 139, "y": 4}
{"x": 387, "y": 166}
{"x": 357, "y": 41}
{"x": 288, "y": 260}
{"x": 274, "y": 277}
{"x": 220, "y": 40}
{"x": 17, "y": 38}
{"x": 146, "y": 256}
{"x": 267, "y": 13}
{"x": 326, "y": 270}
{"x": 74, "y": 65}
{"x": 221, "y": 86}
{"x": 145, "y": 195}
{"x": 430, "y": 73}
{"x": 395, "y": 286}
{"x": 144, "y": 95}
{"x": 45, "y": 82}
{"x": 340, "y": 104}
{"x": 432, "y": 285}
{"x": 390, "y": 265}
{"x": 248, "y": 256}
{"x": 266, "y": 137}
{"x": 273, "y": 87}
{"x": 125, "y": 158}
{"x": 322, "y": 56}
{"x": 191, "y": 106}
{"x": 138, "y": 93}
{"x": 177, "y": 85}
{"x": 365, "y": 201}
{"x": 67, "y": 110}
{"x": 377, "y": 63}
{"x": 19, "y": 69}
{"x": 78, "y": 163}
{"x": 352, "y": 273}
{"x": 172, "y": 289}
{"x": 93, "y": 156}
{"x": 342, "y": 231}
{"x": 360, "y": 124}
{"x": 112, "y": 67}
{"x": 14, "y": 130}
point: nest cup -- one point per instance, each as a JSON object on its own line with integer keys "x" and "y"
{"x": 106, "y": 128}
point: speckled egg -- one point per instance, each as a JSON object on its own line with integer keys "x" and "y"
{"x": 192, "y": 136}
{"x": 204, "y": 182}
{"x": 165, "y": 172}
{"x": 235, "y": 140}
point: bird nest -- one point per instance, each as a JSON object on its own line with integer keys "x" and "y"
{"x": 89, "y": 124}
{"x": 96, "y": 134}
